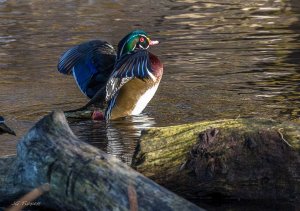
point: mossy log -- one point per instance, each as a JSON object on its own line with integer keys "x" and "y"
{"x": 80, "y": 176}
{"x": 236, "y": 159}
{"x": 85, "y": 114}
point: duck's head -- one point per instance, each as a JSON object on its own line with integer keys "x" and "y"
{"x": 137, "y": 39}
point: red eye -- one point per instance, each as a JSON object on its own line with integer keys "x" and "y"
{"x": 142, "y": 39}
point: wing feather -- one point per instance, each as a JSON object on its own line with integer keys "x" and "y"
{"x": 133, "y": 65}
{"x": 91, "y": 64}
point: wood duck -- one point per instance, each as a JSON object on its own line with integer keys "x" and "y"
{"x": 4, "y": 128}
{"x": 124, "y": 82}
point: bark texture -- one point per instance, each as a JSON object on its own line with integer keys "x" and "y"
{"x": 80, "y": 176}
{"x": 237, "y": 159}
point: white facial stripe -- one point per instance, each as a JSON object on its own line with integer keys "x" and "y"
{"x": 143, "y": 47}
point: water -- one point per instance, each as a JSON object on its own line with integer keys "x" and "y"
{"x": 222, "y": 59}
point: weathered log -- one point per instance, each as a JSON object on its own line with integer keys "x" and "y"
{"x": 237, "y": 159}
{"x": 81, "y": 177}
{"x": 80, "y": 114}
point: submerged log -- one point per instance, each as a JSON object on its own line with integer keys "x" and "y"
{"x": 79, "y": 114}
{"x": 80, "y": 176}
{"x": 236, "y": 159}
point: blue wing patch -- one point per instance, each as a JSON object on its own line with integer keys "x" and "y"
{"x": 90, "y": 63}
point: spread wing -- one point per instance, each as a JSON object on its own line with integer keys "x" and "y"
{"x": 136, "y": 64}
{"x": 91, "y": 64}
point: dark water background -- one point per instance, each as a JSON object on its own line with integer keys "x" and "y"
{"x": 222, "y": 59}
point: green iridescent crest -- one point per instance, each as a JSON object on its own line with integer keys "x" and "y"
{"x": 131, "y": 41}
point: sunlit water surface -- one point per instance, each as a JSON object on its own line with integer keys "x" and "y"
{"x": 222, "y": 59}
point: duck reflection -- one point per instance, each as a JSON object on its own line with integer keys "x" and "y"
{"x": 123, "y": 135}
{"x": 118, "y": 138}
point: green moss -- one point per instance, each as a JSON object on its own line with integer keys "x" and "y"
{"x": 161, "y": 145}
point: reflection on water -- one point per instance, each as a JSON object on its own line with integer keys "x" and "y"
{"x": 118, "y": 137}
{"x": 223, "y": 59}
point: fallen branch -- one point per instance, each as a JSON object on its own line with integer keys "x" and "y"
{"x": 237, "y": 159}
{"x": 81, "y": 177}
